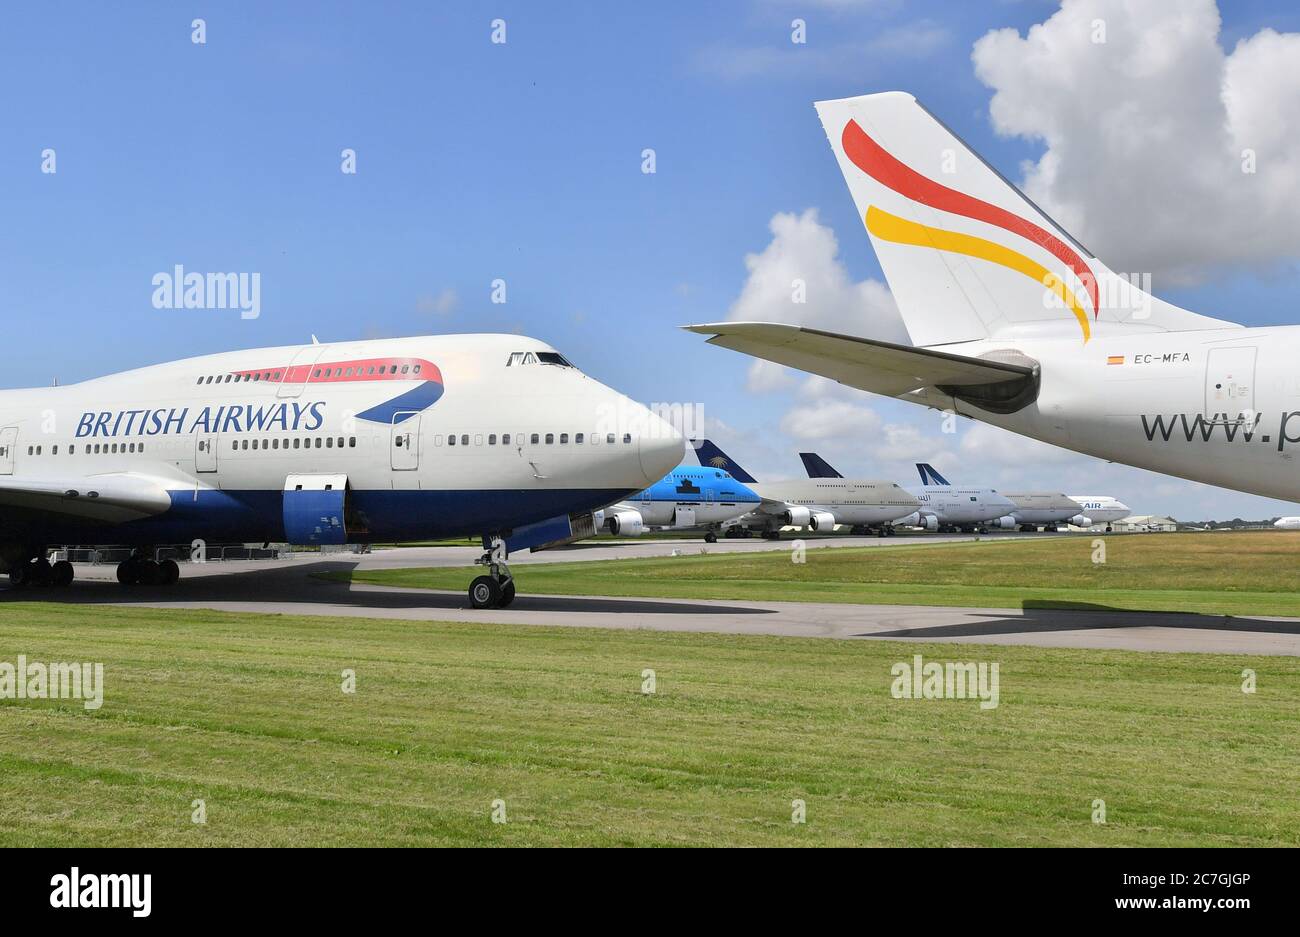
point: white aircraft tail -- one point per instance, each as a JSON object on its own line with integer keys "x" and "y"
{"x": 967, "y": 255}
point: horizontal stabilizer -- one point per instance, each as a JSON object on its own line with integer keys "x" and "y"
{"x": 879, "y": 367}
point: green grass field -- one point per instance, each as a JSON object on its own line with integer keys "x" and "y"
{"x": 246, "y": 712}
{"x": 1210, "y": 573}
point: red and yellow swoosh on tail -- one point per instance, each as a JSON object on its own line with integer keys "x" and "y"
{"x": 872, "y": 158}
{"x": 889, "y": 227}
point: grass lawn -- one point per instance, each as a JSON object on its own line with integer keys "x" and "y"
{"x": 246, "y": 713}
{"x": 1209, "y": 573}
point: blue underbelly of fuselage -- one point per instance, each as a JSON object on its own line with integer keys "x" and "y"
{"x": 385, "y": 516}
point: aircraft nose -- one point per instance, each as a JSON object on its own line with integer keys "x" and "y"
{"x": 661, "y": 448}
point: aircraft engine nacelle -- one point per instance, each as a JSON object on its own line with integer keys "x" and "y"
{"x": 823, "y": 521}
{"x": 1006, "y": 522}
{"x": 625, "y": 524}
{"x": 917, "y": 519}
{"x": 797, "y": 517}
{"x": 1081, "y": 520}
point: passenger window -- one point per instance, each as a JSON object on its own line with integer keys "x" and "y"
{"x": 577, "y": 440}
{"x": 478, "y": 439}
{"x": 464, "y": 439}
{"x": 451, "y": 440}
{"x": 505, "y": 439}
{"x": 609, "y": 438}
{"x": 564, "y": 439}
{"x": 352, "y": 442}
{"x": 550, "y": 439}
{"x": 534, "y": 439}
{"x": 627, "y": 438}
{"x": 492, "y": 439}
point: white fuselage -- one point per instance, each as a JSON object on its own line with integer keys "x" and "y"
{"x": 1042, "y": 507}
{"x": 955, "y": 504}
{"x": 430, "y": 436}
{"x": 853, "y": 502}
{"x": 1102, "y": 509}
{"x": 1219, "y": 406}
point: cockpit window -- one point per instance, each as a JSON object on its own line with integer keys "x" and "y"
{"x": 518, "y": 358}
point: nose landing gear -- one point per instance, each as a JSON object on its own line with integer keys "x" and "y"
{"x": 497, "y": 588}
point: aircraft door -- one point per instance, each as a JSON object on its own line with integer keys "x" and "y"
{"x": 1230, "y": 382}
{"x": 205, "y": 452}
{"x": 405, "y": 443}
{"x": 8, "y": 443}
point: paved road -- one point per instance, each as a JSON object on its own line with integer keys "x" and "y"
{"x": 288, "y": 587}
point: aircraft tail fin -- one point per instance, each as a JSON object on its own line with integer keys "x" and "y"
{"x": 929, "y": 476}
{"x": 713, "y": 457}
{"x": 817, "y": 467}
{"x": 967, "y": 255}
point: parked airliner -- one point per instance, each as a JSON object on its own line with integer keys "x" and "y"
{"x": 1099, "y": 509}
{"x": 863, "y": 505}
{"x": 689, "y": 497}
{"x": 1034, "y": 509}
{"x": 354, "y": 442}
{"x": 940, "y": 506}
{"x": 1015, "y": 323}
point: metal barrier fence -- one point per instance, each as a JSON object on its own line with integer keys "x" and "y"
{"x": 181, "y": 553}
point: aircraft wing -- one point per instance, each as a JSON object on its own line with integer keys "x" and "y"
{"x": 772, "y": 506}
{"x": 112, "y": 498}
{"x": 867, "y": 364}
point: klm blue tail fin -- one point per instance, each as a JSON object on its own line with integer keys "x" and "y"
{"x": 713, "y": 457}
{"x": 929, "y": 476}
{"x": 817, "y": 467}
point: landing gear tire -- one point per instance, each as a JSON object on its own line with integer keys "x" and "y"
{"x": 128, "y": 572}
{"x": 20, "y": 577}
{"x": 485, "y": 592}
{"x": 42, "y": 572}
{"x": 170, "y": 571}
{"x": 63, "y": 574}
{"x": 507, "y": 594}
{"x": 710, "y": 537}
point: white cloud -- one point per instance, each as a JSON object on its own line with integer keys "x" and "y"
{"x": 444, "y": 304}
{"x": 825, "y": 54}
{"x": 995, "y": 447}
{"x": 802, "y": 261}
{"x": 1145, "y": 133}
{"x": 837, "y": 420}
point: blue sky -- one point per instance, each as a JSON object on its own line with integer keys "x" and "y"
{"x": 476, "y": 161}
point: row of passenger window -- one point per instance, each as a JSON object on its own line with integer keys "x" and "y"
{"x": 90, "y": 448}
{"x": 374, "y": 370}
{"x": 533, "y": 439}
{"x": 242, "y": 445}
